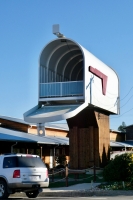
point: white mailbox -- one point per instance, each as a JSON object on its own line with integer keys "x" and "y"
{"x": 71, "y": 79}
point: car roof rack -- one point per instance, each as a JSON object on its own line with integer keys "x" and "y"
{"x": 9, "y": 153}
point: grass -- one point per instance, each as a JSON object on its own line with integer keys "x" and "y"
{"x": 60, "y": 181}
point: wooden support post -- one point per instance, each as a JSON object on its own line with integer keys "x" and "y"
{"x": 89, "y": 139}
{"x": 66, "y": 169}
{"x": 94, "y": 153}
{"x": 94, "y": 179}
{"x": 52, "y": 175}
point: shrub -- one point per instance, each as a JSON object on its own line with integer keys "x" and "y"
{"x": 61, "y": 159}
{"x": 119, "y": 169}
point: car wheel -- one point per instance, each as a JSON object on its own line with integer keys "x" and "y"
{"x": 3, "y": 190}
{"x": 32, "y": 194}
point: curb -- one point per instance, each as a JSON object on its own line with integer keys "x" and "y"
{"x": 87, "y": 193}
{"x": 82, "y": 193}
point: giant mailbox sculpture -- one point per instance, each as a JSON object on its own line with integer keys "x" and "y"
{"x": 71, "y": 81}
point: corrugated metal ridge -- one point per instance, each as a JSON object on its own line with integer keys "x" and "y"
{"x": 21, "y": 136}
{"x": 47, "y": 125}
{"x": 14, "y": 119}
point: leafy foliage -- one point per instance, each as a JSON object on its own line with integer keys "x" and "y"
{"x": 122, "y": 127}
{"x": 121, "y": 185}
{"x": 61, "y": 159}
{"x": 119, "y": 169}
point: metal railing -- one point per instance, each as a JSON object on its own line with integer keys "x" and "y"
{"x": 61, "y": 89}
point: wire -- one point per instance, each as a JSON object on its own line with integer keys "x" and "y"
{"x": 126, "y": 102}
{"x": 115, "y": 94}
{"x": 113, "y": 106}
{"x": 127, "y": 94}
{"x": 113, "y": 98}
{"x": 122, "y": 114}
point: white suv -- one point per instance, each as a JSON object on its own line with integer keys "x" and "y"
{"x": 22, "y": 173}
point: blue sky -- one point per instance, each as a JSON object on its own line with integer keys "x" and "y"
{"x": 103, "y": 27}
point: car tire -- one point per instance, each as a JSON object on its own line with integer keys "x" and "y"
{"x": 32, "y": 194}
{"x": 3, "y": 190}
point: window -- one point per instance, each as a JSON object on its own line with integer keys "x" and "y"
{"x": 15, "y": 161}
{"x": 9, "y": 162}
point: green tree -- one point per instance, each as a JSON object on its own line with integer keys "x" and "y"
{"x": 122, "y": 127}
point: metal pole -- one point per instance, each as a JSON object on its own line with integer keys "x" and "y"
{"x": 41, "y": 152}
{"x": 12, "y": 147}
{"x": 91, "y": 89}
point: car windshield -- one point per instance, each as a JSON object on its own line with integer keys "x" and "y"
{"x": 15, "y": 161}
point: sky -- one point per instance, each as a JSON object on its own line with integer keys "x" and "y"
{"x": 102, "y": 27}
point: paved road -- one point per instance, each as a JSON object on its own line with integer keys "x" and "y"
{"x": 79, "y": 198}
{"x": 84, "y": 191}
